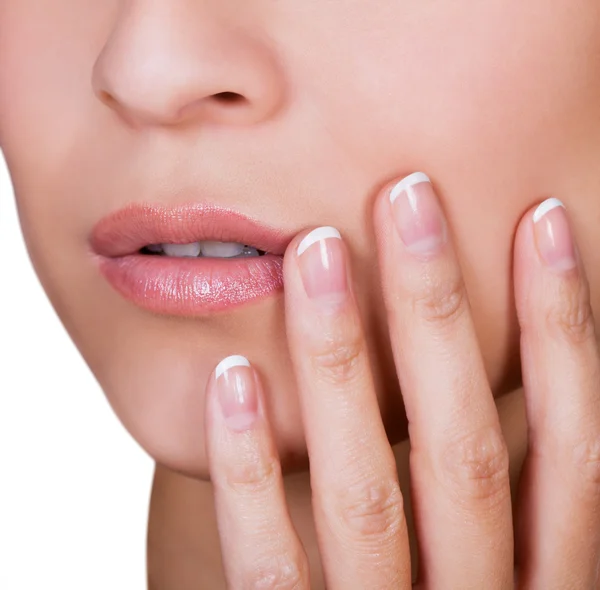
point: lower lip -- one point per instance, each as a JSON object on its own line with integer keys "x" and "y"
{"x": 193, "y": 286}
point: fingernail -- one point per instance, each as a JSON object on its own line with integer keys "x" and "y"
{"x": 322, "y": 266}
{"x": 237, "y": 392}
{"x": 417, "y": 215}
{"x": 553, "y": 235}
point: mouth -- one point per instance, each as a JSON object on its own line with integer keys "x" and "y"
{"x": 189, "y": 260}
{"x": 204, "y": 249}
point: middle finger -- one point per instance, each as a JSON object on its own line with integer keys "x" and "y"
{"x": 459, "y": 462}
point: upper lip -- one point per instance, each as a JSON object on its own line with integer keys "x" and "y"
{"x": 127, "y": 230}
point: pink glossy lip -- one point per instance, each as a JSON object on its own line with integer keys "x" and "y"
{"x": 187, "y": 286}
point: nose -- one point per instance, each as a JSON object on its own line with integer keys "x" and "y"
{"x": 167, "y": 62}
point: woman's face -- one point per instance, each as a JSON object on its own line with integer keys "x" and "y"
{"x": 112, "y": 103}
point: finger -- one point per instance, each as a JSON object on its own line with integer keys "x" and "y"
{"x": 259, "y": 545}
{"x": 356, "y": 496}
{"x": 459, "y": 462}
{"x": 559, "y": 523}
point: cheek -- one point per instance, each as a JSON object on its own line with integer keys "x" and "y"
{"x": 47, "y": 52}
{"x": 495, "y": 103}
{"x": 467, "y": 83}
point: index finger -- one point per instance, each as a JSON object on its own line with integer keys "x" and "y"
{"x": 356, "y": 495}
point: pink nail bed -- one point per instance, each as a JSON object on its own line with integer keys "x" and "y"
{"x": 236, "y": 392}
{"x": 417, "y": 215}
{"x": 322, "y": 265}
{"x": 553, "y": 235}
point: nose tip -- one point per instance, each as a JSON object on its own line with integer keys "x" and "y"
{"x": 208, "y": 72}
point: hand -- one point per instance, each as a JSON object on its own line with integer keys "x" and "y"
{"x": 459, "y": 461}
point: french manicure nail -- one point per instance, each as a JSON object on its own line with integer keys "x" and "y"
{"x": 553, "y": 235}
{"x": 417, "y": 215}
{"x": 237, "y": 392}
{"x": 322, "y": 266}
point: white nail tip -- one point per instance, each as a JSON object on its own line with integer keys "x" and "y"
{"x": 545, "y": 207}
{"x": 228, "y": 363}
{"x": 408, "y": 181}
{"x": 316, "y": 235}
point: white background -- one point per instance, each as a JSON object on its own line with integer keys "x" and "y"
{"x": 74, "y": 486}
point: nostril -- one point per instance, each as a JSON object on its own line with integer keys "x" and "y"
{"x": 220, "y": 100}
{"x": 229, "y": 97}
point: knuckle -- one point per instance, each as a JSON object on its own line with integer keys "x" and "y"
{"x": 372, "y": 509}
{"x": 571, "y": 316}
{"x": 337, "y": 358}
{"x": 441, "y": 302}
{"x": 586, "y": 457}
{"x": 278, "y": 572}
{"x": 252, "y": 476}
{"x": 476, "y": 466}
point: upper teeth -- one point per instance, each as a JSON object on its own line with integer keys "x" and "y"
{"x": 204, "y": 248}
{"x": 221, "y": 249}
{"x": 181, "y": 249}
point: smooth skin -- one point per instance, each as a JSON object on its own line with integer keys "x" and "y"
{"x": 106, "y": 103}
{"x": 459, "y": 460}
